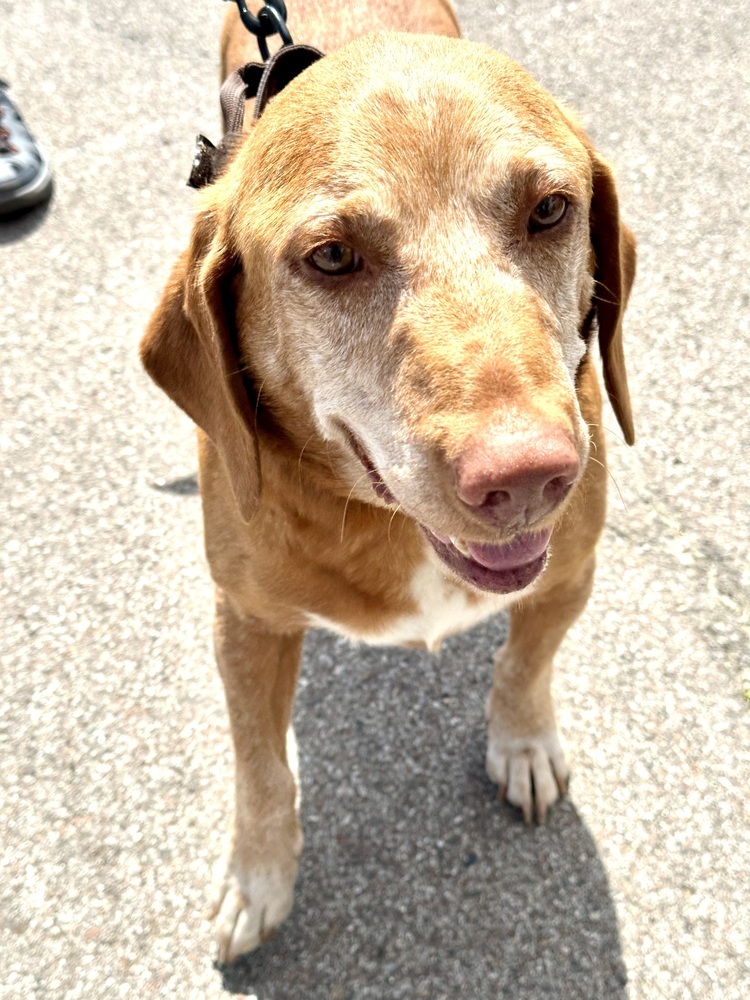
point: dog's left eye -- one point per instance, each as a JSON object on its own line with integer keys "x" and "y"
{"x": 548, "y": 212}
{"x": 334, "y": 258}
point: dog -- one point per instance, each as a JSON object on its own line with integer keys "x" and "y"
{"x": 383, "y": 330}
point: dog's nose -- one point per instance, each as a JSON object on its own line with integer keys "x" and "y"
{"x": 517, "y": 478}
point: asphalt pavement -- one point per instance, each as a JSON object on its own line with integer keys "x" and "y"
{"x": 416, "y": 882}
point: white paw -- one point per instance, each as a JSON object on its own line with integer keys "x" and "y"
{"x": 530, "y": 773}
{"x": 248, "y": 908}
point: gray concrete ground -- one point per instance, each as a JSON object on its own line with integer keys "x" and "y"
{"x": 415, "y": 883}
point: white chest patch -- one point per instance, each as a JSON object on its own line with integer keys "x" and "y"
{"x": 442, "y": 609}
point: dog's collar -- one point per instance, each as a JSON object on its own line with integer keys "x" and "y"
{"x": 261, "y": 81}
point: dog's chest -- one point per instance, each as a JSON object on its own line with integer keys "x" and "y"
{"x": 441, "y": 608}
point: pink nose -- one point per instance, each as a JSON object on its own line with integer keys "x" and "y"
{"x": 517, "y": 478}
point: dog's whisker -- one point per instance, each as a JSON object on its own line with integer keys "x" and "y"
{"x": 607, "y": 302}
{"x": 346, "y": 505}
{"x": 619, "y": 491}
{"x": 604, "y": 285}
{"x": 614, "y": 301}
{"x": 257, "y": 401}
{"x": 299, "y": 460}
{"x": 610, "y": 430}
{"x": 390, "y": 522}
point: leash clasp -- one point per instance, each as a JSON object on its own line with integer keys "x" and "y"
{"x": 270, "y": 20}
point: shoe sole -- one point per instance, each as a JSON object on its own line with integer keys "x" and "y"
{"x": 33, "y": 193}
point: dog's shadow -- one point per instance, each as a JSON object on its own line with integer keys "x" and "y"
{"x": 416, "y": 881}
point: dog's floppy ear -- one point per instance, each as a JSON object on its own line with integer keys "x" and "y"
{"x": 190, "y": 349}
{"x": 614, "y": 253}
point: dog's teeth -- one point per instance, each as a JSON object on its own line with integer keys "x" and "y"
{"x": 458, "y": 544}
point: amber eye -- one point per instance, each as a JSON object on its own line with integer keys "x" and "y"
{"x": 334, "y": 258}
{"x": 548, "y": 212}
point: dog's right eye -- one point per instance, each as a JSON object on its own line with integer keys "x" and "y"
{"x": 334, "y": 258}
{"x": 548, "y": 212}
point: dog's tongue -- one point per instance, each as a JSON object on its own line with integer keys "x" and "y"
{"x": 522, "y": 550}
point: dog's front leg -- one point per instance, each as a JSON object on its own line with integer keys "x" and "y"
{"x": 254, "y": 891}
{"x": 524, "y": 755}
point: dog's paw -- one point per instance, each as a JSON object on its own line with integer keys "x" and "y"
{"x": 248, "y": 907}
{"x": 530, "y": 773}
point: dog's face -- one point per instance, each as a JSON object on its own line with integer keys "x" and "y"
{"x": 403, "y": 256}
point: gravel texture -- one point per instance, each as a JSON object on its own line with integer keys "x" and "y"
{"x": 116, "y": 764}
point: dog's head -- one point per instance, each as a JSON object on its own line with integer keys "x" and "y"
{"x": 404, "y": 260}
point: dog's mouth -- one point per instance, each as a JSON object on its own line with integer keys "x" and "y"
{"x": 501, "y": 569}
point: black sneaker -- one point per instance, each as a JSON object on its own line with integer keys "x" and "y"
{"x": 25, "y": 175}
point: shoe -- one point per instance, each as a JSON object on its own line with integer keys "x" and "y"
{"x": 25, "y": 175}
